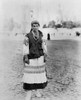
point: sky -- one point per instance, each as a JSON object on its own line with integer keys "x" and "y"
{"x": 42, "y": 10}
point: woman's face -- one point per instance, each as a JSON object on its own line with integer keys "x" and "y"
{"x": 35, "y": 26}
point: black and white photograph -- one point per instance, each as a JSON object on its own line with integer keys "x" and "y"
{"x": 40, "y": 49}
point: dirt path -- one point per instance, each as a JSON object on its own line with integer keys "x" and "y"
{"x": 65, "y": 71}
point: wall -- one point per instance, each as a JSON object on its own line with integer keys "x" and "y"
{"x": 61, "y": 33}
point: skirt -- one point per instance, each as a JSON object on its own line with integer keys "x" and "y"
{"x": 35, "y": 74}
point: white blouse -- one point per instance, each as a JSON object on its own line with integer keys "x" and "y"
{"x": 26, "y": 46}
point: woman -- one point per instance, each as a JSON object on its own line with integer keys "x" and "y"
{"x": 34, "y": 51}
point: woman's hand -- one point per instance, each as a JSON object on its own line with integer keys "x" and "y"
{"x": 25, "y": 59}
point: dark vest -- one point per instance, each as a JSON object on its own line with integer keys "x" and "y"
{"x": 35, "y": 46}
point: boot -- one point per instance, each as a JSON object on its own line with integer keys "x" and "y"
{"x": 38, "y": 94}
{"x": 28, "y": 95}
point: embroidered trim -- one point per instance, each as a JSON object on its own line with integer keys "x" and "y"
{"x": 43, "y": 71}
{"x": 35, "y": 67}
{"x": 27, "y": 65}
{"x": 36, "y": 70}
{"x": 30, "y": 86}
{"x": 26, "y": 41}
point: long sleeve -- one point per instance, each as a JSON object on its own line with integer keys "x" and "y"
{"x": 26, "y": 46}
{"x": 44, "y": 46}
